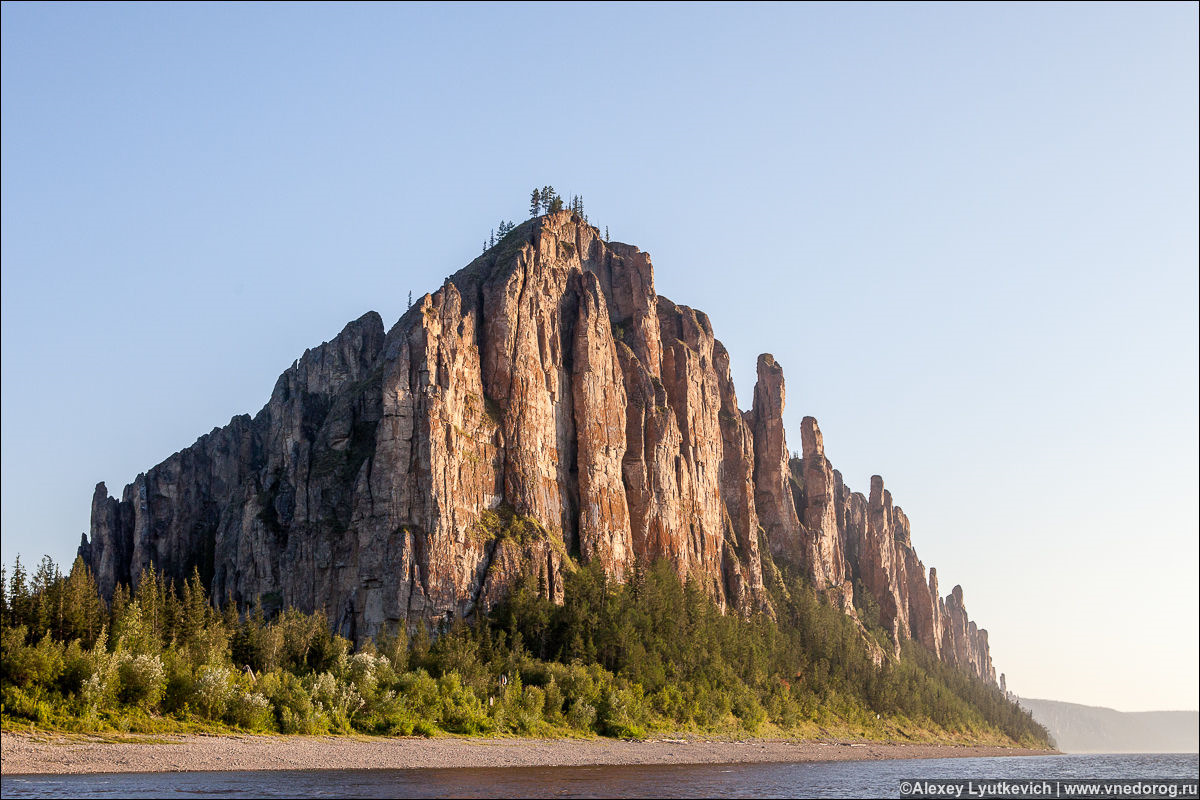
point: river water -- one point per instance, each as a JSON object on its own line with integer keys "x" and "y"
{"x": 829, "y": 779}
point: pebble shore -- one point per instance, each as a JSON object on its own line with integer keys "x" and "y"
{"x": 61, "y": 755}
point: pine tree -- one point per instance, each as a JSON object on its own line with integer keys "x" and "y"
{"x": 229, "y": 614}
{"x": 195, "y": 609}
{"x": 83, "y": 610}
{"x": 4, "y": 620}
{"x": 18, "y": 596}
{"x": 535, "y": 203}
{"x": 606, "y": 234}
{"x": 120, "y": 602}
{"x": 149, "y": 596}
{"x": 46, "y": 611}
{"x": 492, "y": 238}
{"x": 410, "y": 298}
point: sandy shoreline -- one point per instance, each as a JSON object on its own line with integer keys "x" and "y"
{"x": 57, "y": 755}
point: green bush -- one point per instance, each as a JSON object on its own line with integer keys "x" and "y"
{"x": 142, "y": 680}
{"x": 749, "y": 712}
{"x": 25, "y": 666}
{"x": 420, "y": 692}
{"x": 621, "y": 713}
{"x": 211, "y": 691}
{"x": 339, "y": 701}
{"x": 552, "y": 704}
{"x": 461, "y": 711}
{"x": 249, "y": 710}
{"x": 581, "y": 716}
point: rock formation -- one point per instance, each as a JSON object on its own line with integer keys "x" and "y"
{"x": 545, "y": 407}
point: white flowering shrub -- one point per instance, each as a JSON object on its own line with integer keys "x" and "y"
{"x": 142, "y": 680}
{"x": 212, "y": 691}
{"x": 338, "y": 700}
{"x": 248, "y": 710}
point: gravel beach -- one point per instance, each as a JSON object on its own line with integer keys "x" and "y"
{"x": 49, "y": 754}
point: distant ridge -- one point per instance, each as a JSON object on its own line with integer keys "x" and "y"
{"x": 1095, "y": 729}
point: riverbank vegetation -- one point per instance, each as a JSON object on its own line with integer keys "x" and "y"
{"x": 623, "y": 660}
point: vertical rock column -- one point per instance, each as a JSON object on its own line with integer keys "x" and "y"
{"x": 772, "y": 479}
{"x": 743, "y": 565}
{"x": 823, "y": 554}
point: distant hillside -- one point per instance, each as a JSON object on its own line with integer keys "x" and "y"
{"x": 1092, "y": 729}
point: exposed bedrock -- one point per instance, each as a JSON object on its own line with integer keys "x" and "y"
{"x": 544, "y": 408}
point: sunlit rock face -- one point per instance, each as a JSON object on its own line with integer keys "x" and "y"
{"x": 544, "y": 408}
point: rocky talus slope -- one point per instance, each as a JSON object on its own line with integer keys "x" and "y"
{"x": 545, "y": 407}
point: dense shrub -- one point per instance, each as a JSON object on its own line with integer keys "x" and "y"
{"x": 142, "y": 680}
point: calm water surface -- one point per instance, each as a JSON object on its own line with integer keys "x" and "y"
{"x": 837, "y": 779}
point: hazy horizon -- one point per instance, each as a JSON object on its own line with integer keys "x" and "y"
{"x": 967, "y": 233}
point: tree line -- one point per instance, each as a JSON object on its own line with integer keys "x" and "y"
{"x": 652, "y": 654}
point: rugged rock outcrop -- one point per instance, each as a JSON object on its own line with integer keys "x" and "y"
{"x": 545, "y": 407}
{"x": 772, "y": 478}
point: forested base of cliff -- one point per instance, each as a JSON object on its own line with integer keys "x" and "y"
{"x": 652, "y": 655}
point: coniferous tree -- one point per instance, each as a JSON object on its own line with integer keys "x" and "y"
{"x": 194, "y": 608}
{"x": 535, "y": 203}
{"x": 83, "y": 610}
{"x": 18, "y": 596}
{"x": 4, "y": 619}
{"x": 116, "y": 608}
{"x": 606, "y": 234}
{"x": 229, "y": 613}
{"x": 46, "y": 609}
{"x": 492, "y": 238}
{"x": 149, "y": 596}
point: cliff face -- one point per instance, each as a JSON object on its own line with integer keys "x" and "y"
{"x": 545, "y": 407}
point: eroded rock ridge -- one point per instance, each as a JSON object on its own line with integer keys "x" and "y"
{"x": 545, "y": 407}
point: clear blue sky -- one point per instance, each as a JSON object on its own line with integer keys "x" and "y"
{"x": 968, "y": 233}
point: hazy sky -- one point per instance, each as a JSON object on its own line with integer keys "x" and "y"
{"x": 968, "y": 234}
